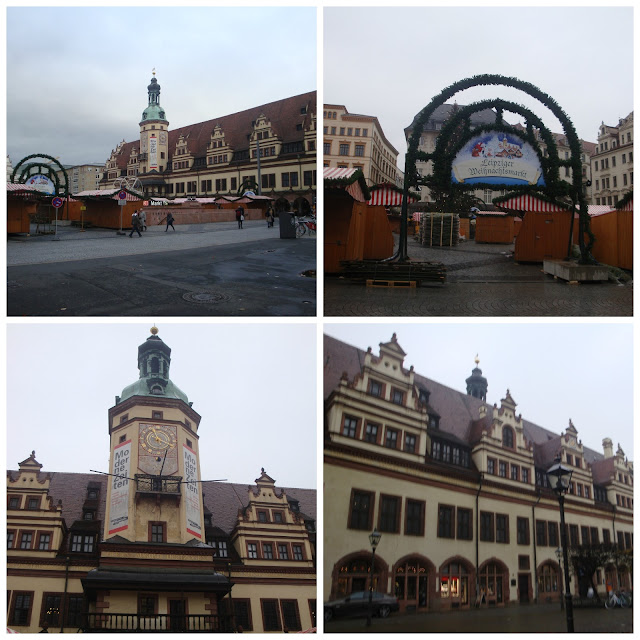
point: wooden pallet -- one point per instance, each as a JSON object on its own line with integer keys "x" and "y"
{"x": 399, "y": 284}
{"x": 418, "y": 272}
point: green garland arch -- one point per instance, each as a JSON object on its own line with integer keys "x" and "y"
{"x": 24, "y": 174}
{"x": 442, "y": 155}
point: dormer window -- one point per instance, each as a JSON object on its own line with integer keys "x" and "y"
{"x": 507, "y": 437}
{"x": 375, "y": 388}
{"x": 423, "y": 396}
{"x": 434, "y": 421}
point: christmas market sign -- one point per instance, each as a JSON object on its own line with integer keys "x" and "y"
{"x": 497, "y": 158}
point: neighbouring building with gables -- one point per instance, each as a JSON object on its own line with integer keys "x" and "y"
{"x": 458, "y": 489}
{"x": 269, "y": 149}
{"x": 151, "y": 546}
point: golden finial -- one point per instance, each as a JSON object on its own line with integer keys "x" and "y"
{"x": 153, "y": 71}
{"x": 154, "y": 330}
{"x": 477, "y": 360}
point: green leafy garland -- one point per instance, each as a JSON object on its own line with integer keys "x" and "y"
{"x": 443, "y": 154}
{"x": 341, "y": 183}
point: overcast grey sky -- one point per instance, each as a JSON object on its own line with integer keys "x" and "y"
{"x": 253, "y": 384}
{"x": 77, "y": 77}
{"x": 390, "y": 62}
{"x": 554, "y": 371}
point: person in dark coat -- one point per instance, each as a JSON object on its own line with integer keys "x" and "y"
{"x": 170, "y": 220}
{"x": 135, "y": 225}
{"x": 240, "y": 216}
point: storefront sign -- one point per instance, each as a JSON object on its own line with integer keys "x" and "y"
{"x": 119, "y": 506}
{"x": 192, "y": 493}
{"x": 497, "y": 158}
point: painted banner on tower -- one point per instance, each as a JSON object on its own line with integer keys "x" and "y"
{"x": 119, "y": 505}
{"x": 192, "y": 493}
{"x": 153, "y": 152}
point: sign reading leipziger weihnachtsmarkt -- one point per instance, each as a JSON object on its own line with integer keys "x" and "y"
{"x": 192, "y": 493}
{"x": 497, "y": 158}
{"x": 119, "y": 507}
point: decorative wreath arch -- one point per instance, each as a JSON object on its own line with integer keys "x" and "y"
{"x": 44, "y": 169}
{"x": 457, "y": 131}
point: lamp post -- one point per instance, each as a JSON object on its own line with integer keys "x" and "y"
{"x": 559, "y": 556}
{"x": 374, "y": 540}
{"x": 560, "y": 480}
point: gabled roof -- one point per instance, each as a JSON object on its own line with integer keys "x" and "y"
{"x": 459, "y": 412}
{"x": 284, "y": 115}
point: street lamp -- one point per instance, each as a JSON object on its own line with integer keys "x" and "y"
{"x": 560, "y": 480}
{"x": 559, "y": 556}
{"x": 374, "y": 540}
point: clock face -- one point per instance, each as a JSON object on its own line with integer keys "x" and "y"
{"x": 157, "y": 448}
{"x": 163, "y": 138}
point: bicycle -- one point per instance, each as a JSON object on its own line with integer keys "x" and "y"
{"x": 619, "y": 599}
{"x": 302, "y": 224}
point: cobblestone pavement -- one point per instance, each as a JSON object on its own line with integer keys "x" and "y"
{"x": 482, "y": 280}
{"x": 204, "y": 270}
{"x": 534, "y": 618}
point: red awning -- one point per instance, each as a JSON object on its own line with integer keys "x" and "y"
{"x": 387, "y": 196}
{"x": 529, "y": 203}
{"x": 354, "y": 189}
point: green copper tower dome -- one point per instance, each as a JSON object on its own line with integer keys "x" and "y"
{"x": 154, "y": 360}
{"x": 153, "y": 111}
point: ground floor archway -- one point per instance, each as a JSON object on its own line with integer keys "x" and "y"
{"x": 455, "y": 586}
{"x": 493, "y": 583}
{"x": 353, "y": 573}
{"x": 549, "y": 582}
{"x": 414, "y": 582}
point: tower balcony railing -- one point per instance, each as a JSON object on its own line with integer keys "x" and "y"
{"x": 158, "y": 623}
{"x": 146, "y": 483}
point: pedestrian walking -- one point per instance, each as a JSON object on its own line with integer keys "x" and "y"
{"x": 143, "y": 219}
{"x": 135, "y": 225}
{"x": 170, "y": 220}
{"x": 240, "y": 216}
{"x": 269, "y": 216}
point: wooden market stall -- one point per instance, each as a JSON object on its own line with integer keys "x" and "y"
{"x": 545, "y": 228}
{"x": 101, "y": 208}
{"x": 613, "y": 229}
{"x": 495, "y": 227}
{"x": 348, "y": 226}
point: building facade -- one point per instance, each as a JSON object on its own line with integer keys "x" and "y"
{"x": 269, "y": 149}
{"x": 355, "y": 141}
{"x": 613, "y": 162}
{"x": 149, "y": 545}
{"x": 457, "y": 488}
{"x": 82, "y": 177}
{"x": 486, "y": 117}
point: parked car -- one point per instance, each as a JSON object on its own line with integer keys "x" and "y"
{"x": 357, "y": 604}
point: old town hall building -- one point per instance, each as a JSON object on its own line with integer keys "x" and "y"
{"x": 150, "y": 546}
{"x": 269, "y": 149}
{"x": 458, "y": 489}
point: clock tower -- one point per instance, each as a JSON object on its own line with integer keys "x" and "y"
{"x": 154, "y": 492}
{"x": 154, "y": 133}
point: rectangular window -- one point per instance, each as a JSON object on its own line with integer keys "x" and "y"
{"x": 21, "y": 613}
{"x": 409, "y": 443}
{"x": 44, "y": 542}
{"x": 436, "y": 450}
{"x": 375, "y": 388}
{"x": 297, "y": 552}
{"x": 147, "y": 605}
{"x": 344, "y": 149}
{"x": 553, "y": 534}
{"x": 270, "y": 615}
{"x": 11, "y": 536}
{"x": 242, "y": 613}
{"x": 359, "y": 150}
{"x": 522, "y": 525}
{"x": 397, "y": 396}
{"x": 486, "y": 526}
{"x": 75, "y": 611}
{"x": 220, "y": 549}
{"x": 252, "y": 550}
{"x": 349, "y": 427}
{"x": 445, "y": 521}
{"x": 491, "y": 466}
{"x": 33, "y": 504}
{"x": 283, "y": 552}
{"x": 502, "y": 469}
{"x": 290, "y": 615}
{"x": 502, "y": 527}
{"x": 524, "y": 475}
{"x": 414, "y": 517}
{"x": 464, "y": 526}
{"x": 361, "y": 510}
{"x": 391, "y": 439}
{"x": 515, "y": 471}
{"x": 541, "y": 533}
{"x": 14, "y": 503}
{"x": 606, "y": 536}
{"x": 25, "y": 540}
{"x": 156, "y": 532}
{"x": 371, "y": 433}
{"x": 389, "y": 514}
{"x": 446, "y": 452}
{"x": 267, "y": 551}
{"x": 573, "y": 535}
{"x": 326, "y": 148}
{"x": 594, "y": 535}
